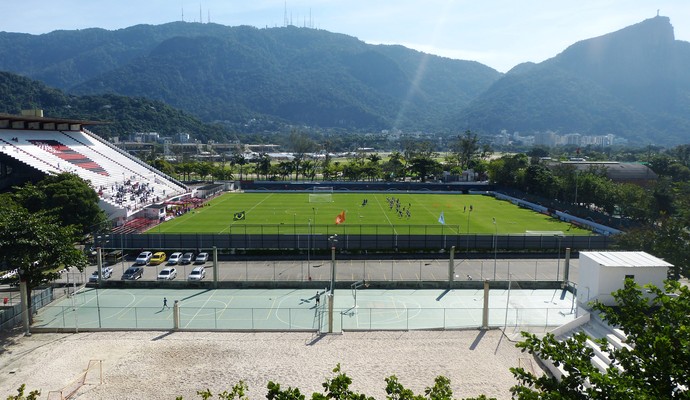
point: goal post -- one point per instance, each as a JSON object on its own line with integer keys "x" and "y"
{"x": 321, "y": 194}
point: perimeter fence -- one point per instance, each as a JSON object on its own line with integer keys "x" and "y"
{"x": 11, "y": 313}
{"x": 87, "y": 318}
{"x": 352, "y": 240}
{"x": 347, "y": 270}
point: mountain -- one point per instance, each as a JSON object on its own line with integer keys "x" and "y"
{"x": 297, "y": 75}
{"x": 633, "y": 83}
{"x": 127, "y": 114}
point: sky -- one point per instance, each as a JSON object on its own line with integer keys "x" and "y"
{"x": 497, "y": 33}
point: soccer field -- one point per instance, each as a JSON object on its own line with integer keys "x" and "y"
{"x": 289, "y": 213}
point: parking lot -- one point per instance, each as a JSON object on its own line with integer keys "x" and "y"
{"x": 350, "y": 270}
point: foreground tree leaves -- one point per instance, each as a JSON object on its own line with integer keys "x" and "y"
{"x": 338, "y": 388}
{"x": 655, "y": 365}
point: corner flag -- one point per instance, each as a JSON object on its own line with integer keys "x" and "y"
{"x": 340, "y": 218}
{"x": 441, "y": 219}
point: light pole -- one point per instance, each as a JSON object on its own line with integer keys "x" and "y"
{"x": 331, "y": 295}
{"x": 495, "y": 245}
{"x": 468, "y": 234}
{"x": 333, "y": 241}
{"x": 309, "y": 252}
{"x": 558, "y": 266}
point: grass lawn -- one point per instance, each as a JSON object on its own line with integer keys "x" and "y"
{"x": 289, "y": 213}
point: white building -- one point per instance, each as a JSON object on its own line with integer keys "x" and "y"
{"x": 603, "y": 272}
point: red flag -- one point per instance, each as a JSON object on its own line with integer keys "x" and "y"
{"x": 340, "y": 218}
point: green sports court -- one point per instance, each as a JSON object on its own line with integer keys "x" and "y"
{"x": 358, "y": 308}
{"x": 280, "y": 212}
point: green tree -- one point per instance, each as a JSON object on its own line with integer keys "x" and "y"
{"x": 33, "y": 395}
{"x": 62, "y": 195}
{"x": 164, "y": 166}
{"x": 301, "y": 144}
{"x": 263, "y": 165}
{"x": 240, "y": 160}
{"x": 506, "y": 170}
{"x": 634, "y": 202}
{"x": 466, "y": 149}
{"x": 655, "y": 366}
{"x": 338, "y": 388}
{"x": 204, "y": 169}
{"x": 666, "y": 238}
{"x": 394, "y": 168}
{"x": 38, "y": 245}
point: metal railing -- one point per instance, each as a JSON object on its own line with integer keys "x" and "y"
{"x": 82, "y": 317}
{"x": 350, "y": 239}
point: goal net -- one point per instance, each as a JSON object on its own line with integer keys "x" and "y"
{"x": 321, "y": 194}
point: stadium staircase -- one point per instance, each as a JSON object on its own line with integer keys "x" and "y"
{"x": 594, "y": 328}
{"x": 108, "y": 169}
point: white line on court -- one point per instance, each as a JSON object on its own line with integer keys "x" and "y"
{"x": 395, "y": 231}
{"x": 201, "y": 308}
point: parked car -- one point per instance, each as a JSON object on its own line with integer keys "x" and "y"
{"x": 133, "y": 273}
{"x": 167, "y": 274}
{"x": 157, "y": 258}
{"x": 197, "y": 274}
{"x": 201, "y": 258}
{"x": 187, "y": 258}
{"x": 106, "y": 272}
{"x": 144, "y": 258}
{"x": 174, "y": 258}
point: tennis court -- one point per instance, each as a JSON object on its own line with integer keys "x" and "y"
{"x": 297, "y": 310}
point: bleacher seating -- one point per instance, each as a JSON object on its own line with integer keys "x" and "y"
{"x": 125, "y": 184}
{"x": 594, "y": 328}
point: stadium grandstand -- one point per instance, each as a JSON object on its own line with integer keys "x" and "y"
{"x": 32, "y": 146}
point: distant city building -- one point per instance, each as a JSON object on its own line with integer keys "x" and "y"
{"x": 552, "y": 139}
{"x": 146, "y": 137}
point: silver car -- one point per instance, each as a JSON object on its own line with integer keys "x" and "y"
{"x": 167, "y": 274}
{"x": 197, "y": 274}
{"x": 174, "y": 258}
{"x": 144, "y": 258}
{"x": 201, "y": 258}
{"x": 187, "y": 258}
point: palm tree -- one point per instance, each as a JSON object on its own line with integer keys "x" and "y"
{"x": 263, "y": 165}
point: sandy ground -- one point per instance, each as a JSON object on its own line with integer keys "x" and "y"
{"x": 163, "y": 365}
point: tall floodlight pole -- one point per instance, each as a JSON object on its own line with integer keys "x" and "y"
{"x": 495, "y": 246}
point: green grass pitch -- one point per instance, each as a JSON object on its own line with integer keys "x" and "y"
{"x": 289, "y": 213}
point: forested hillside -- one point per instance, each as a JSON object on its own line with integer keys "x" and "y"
{"x": 633, "y": 83}
{"x": 235, "y": 74}
{"x": 123, "y": 115}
